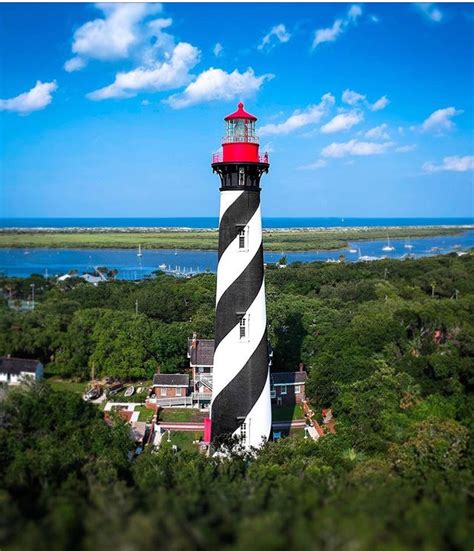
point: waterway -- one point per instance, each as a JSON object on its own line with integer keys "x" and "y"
{"x": 54, "y": 262}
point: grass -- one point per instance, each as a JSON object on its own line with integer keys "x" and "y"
{"x": 175, "y": 415}
{"x": 287, "y": 413}
{"x": 296, "y": 240}
{"x": 145, "y": 414}
{"x": 64, "y": 385}
{"x": 184, "y": 440}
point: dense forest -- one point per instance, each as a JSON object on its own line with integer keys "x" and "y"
{"x": 389, "y": 345}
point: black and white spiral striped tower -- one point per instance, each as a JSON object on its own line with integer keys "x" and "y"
{"x": 241, "y": 403}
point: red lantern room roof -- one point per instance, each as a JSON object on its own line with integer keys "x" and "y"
{"x": 240, "y": 114}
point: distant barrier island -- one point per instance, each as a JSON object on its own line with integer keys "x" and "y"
{"x": 284, "y": 239}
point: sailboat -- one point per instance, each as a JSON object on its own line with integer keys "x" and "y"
{"x": 408, "y": 244}
{"x": 175, "y": 251}
{"x": 388, "y": 247}
{"x": 139, "y": 253}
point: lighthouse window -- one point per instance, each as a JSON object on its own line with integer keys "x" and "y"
{"x": 241, "y": 176}
{"x": 243, "y": 327}
{"x": 243, "y": 432}
{"x": 242, "y": 238}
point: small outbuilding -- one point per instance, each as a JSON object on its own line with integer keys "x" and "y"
{"x": 14, "y": 371}
{"x": 288, "y": 387}
{"x": 170, "y": 385}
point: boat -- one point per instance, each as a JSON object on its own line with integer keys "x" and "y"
{"x": 175, "y": 251}
{"x": 408, "y": 244}
{"x": 388, "y": 247}
{"x": 114, "y": 389}
{"x": 139, "y": 253}
{"x": 92, "y": 393}
{"x": 162, "y": 266}
{"x": 366, "y": 258}
{"x": 435, "y": 250}
{"x": 129, "y": 391}
{"x": 353, "y": 251}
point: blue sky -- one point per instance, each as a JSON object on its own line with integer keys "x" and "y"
{"x": 366, "y": 109}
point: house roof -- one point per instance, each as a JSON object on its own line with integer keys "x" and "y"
{"x": 289, "y": 377}
{"x": 15, "y": 366}
{"x": 170, "y": 379}
{"x": 202, "y": 353}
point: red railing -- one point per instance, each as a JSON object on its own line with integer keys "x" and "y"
{"x": 218, "y": 158}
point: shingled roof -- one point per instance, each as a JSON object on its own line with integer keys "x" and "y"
{"x": 15, "y": 366}
{"x": 202, "y": 353}
{"x": 289, "y": 377}
{"x": 170, "y": 379}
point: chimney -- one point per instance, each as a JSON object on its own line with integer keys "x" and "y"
{"x": 301, "y": 367}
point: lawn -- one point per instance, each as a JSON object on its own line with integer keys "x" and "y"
{"x": 287, "y": 413}
{"x": 184, "y": 440}
{"x": 65, "y": 385}
{"x": 145, "y": 414}
{"x": 176, "y": 415}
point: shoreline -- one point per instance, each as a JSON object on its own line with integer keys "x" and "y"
{"x": 280, "y": 239}
{"x": 188, "y": 229}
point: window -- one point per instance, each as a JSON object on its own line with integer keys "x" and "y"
{"x": 178, "y": 391}
{"x": 283, "y": 389}
{"x": 297, "y": 389}
{"x": 243, "y": 432}
{"x": 241, "y": 176}
{"x": 272, "y": 393}
{"x": 163, "y": 391}
{"x": 242, "y": 238}
{"x": 243, "y": 327}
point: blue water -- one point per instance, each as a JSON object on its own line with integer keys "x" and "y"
{"x": 52, "y": 262}
{"x": 212, "y": 222}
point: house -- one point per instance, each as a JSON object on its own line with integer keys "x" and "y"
{"x": 170, "y": 385}
{"x": 288, "y": 387}
{"x": 201, "y": 359}
{"x": 13, "y": 371}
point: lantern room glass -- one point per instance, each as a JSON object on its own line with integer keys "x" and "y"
{"x": 240, "y": 130}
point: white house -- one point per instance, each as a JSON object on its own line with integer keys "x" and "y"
{"x": 15, "y": 370}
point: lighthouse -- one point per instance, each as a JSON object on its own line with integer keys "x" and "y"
{"x": 241, "y": 405}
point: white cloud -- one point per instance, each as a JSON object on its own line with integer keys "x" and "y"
{"x": 311, "y": 115}
{"x": 440, "y": 120}
{"x": 145, "y": 102}
{"x": 405, "y": 148}
{"x": 352, "y": 98}
{"x": 355, "y": 148}
{"x": 168, "y": 75}
{"x": 277, "y": 34}
{"x": 34, "y": 100}
{"x": 378, "y": 133}
{"x": 121, "y": 30}
{"x": 74, "y": 64}
{"x": 217, "y": 49}
{"x": 343, "y": 121}
{"x": 380, "y": 104}
{"x": 216, "y": 84}
{"x": 330, "y": 34}
{"x": 431, "y": 11}
{"x": 451, "y": 164}
{"x": 320, "y": 163}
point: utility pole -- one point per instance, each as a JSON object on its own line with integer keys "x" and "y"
{"x": 136, "y": 307}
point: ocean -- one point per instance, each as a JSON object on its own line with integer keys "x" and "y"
{"x": 212, "y": 222}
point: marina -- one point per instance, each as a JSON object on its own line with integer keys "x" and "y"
{"x": 21, "y": 262}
